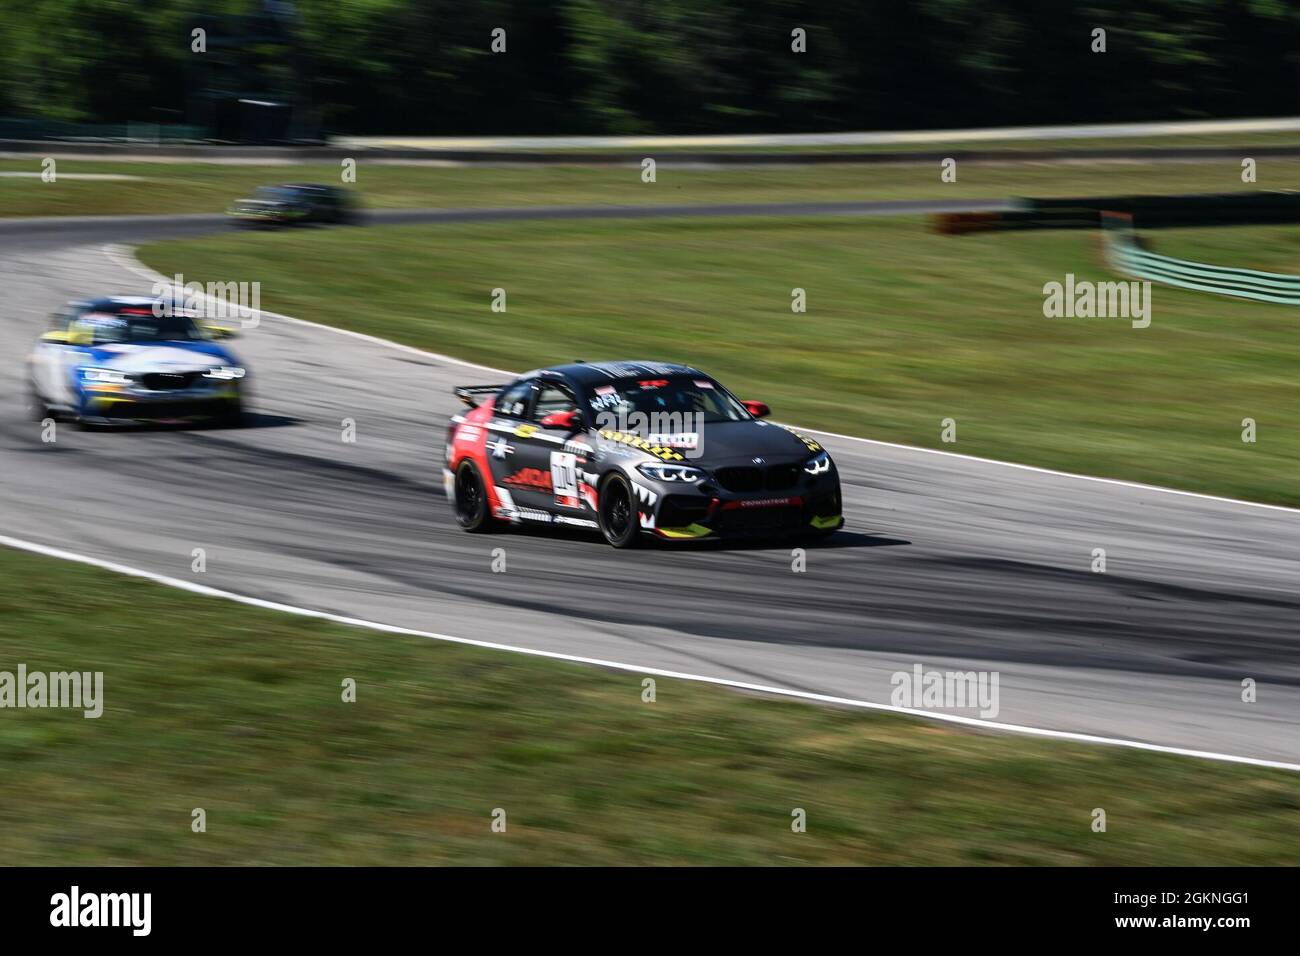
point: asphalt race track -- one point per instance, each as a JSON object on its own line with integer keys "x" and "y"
{"x": 948, "y": 562}
{"x": 58, "y": 231}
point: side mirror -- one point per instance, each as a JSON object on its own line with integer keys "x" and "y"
{"x": 220, "y": 331}
{"x": 569, "y": 420}
{"x": 757, "y": 409}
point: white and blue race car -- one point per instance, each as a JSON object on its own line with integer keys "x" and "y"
{"x": 128, "y": 360}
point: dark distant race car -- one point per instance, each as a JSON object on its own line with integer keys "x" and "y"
{"x": 634, "y": 449}
{"x": 292, "y": 203}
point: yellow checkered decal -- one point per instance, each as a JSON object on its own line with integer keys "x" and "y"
{"x": 636, "y": 441}
{"x": 812, "y": 443}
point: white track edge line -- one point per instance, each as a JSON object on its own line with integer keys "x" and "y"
{"x": 203, "y": 589}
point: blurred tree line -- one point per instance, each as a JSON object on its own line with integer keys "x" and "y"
{"x": 629, "y": 66}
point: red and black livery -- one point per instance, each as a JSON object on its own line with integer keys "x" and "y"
{"x": 634, "y": 449}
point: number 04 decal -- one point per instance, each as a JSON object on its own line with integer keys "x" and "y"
{"x": 564, "y": 475}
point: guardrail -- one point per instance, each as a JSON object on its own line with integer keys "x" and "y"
{"x": 1125, "y": 253}
{"x": 142, "y": 145}
{"x": 95, "y": 133}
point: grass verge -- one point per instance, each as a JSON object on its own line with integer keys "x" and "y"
{"x": 904, "y": 328}
{"x": 239, "y": 712}
{"x": 159, "y": 188}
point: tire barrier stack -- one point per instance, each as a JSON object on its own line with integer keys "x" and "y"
{"x": 1125, "y": 253}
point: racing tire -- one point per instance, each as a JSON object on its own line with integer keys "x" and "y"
{"x": 617, "y": 515}
{"x": 470, "y": 500}
{"x": 80, "y": 420}
{"x": 232, "y": 417}
{"x": 37, "y": 410}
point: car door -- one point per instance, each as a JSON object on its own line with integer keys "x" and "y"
{"x": 333, "y": 203}
{"x": 519, "y": 465}
{"x": 551, "y": 444}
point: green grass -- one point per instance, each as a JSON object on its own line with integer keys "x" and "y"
{"x": 196, "y": 187}
{"x": 904, "y": 328}
{"x": 239, "y": 712}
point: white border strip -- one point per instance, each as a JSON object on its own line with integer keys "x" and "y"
{"x": 207, "y": 591}
{"x": 1073, "y": 131}
{"x": 123, "y": 256}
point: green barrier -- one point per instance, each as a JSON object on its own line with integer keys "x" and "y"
{"x": 1125, "y": 254}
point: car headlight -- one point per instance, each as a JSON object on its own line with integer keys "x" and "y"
{"x": 106, "y": 375}
{"x": 818, "y": 464}
{"x": 226, "y": 373}
{"x": 671, "y": 472}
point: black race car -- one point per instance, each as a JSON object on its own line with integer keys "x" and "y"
{"x": 633, "y": 448}
{"x": 294, "y": 203}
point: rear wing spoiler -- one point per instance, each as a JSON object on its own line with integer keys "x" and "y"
{"x": 470, "y": 394}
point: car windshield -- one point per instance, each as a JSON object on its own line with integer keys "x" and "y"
{"x": 680, "y": 394}
{"x": 277, "y": 193}
{"x": 112, "y": 328}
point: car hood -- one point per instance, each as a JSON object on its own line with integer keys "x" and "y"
{"x": 735, "y": 443}
{"x": 159, "y": 357}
